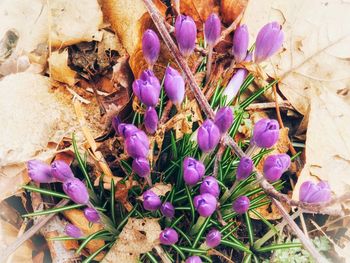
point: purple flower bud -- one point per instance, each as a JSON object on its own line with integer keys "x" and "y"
{"x": 151, "y": 120}
{"x": 193, "y": 259}
{"x": 150, "y": 46}
{"x": 151, "y": 201}
{"x": 115, "y": 123}
{"x": 167, "y": 209}
{"x": 39, "y": 171}
{"x": 212, "y": 29}
{"x": 275, "y": 166}
{"x": 240, "y": 43}
{"x": 91, "y": 215}
{"x": 266, "y": 133}
{"x": 208, "y": 136}
{"x": 234, "y": 85}
{"x": 125, "y": 130}
{"x": 141, "y": 167}
{"x": 137, "y": 144}
{"x": 205, "y": 204}
{"x": 315, "y": 193}
{"x": 241, "y": 205}
{"x": 245, "y": 168}
{"x": 61, "y": 170}
{"x": 76, "y": 190}
{"x": 268, "y": 41}
{"x": 213, "y": 238}
{"x": 186, "y": 34}
{"x": 73, "y": 231}
{"x": 174, "y": 85}
{"x": 224, "y": 119}
{"x": 147, "y": 88}
{"x": 193, "y": 170}
{"x": 168, "y": 236}
{"x": 210, "y": 185}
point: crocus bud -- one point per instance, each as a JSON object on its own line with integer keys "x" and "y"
{"x": 76, "y": 190}
{"x": 193, "y": 170}
{"x": 315, "y": 193}
{"x": 210, "y": 185}
{"x": 240, "y": 43}
{"x": 91, "y": 215}
{"x": 167, "y": 209}
{"x": 137, "y": 144}
{"x": 205, "y": 204}
{"x": 174, "y": 85}
{"x": 150, "y": 46}
{"x": 268, "y": 41}
{"x": 244, "y": 169}
{"x": 275, "y": 166}
{"x": 39, "y": 171}
{"x": 147, "y": 88}
{"x": 208, "y": 136}
{"x": 151, "y": 120}
{"x": 241, "y": 205}
{"x": 265, "y": 133}
{"x": 73, "y": 231}
{"x": 125, "y": 130}
{"x": 141, "y": 167}
{"x": 212, "y": 29}
{"x": 151, "y": 201}
{"x": 213, "y": 238}
{"x": 193, "y": 259}
{"x": 168, "y": 236}
{"x": 185, "y": 33}
{"x": 235, "y": 84}
{"x": 61, "y": 170}
{"x": 224, "y": 119}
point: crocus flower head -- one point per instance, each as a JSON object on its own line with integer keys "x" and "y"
{"x": 91, "y": 215}
{"x": 147, "y": 88}
{"x": 39, "y": 171}
{"x": 168, "y": 236}
{"x": 185, "y": 33}
{"x": 213, "y": 238}
{"x": 208, "y": 136}
{"x": 73, "y": 231}
{"x": 137, "y": 144}
{"x": 141, "y": 167}
{"x": 150, "y": 46}
{"x": 61, "y": 170}
{"x": 193, "y": 170}
{"x": 234, "y": 85}
{"x": 245, "y": 168}
{"x": 151, "y": 201}
{"x": 224, "y": 119}
{"x": 193, "y": 259}
{"x": 265, "y": 133}
{"x": 174, "y": 85}
{"x": 167, "y": 209}
{"x": 210, "y": 185}
{"x": 151, "y": 120}
{"x": 241, "y": 205}
{"x": 240, "y": 43}
{"x": 268, "y": 41}
{"x": 125, "y": 129}
{"x": 275, "y": 166}
{"x": 315, "y": 193}
{"x": 205, "y": 204}
{"x": 76, "y": 190}
{"x": 212, "y": 29}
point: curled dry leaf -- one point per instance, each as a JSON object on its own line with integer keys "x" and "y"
{"x": 59, "y": 69}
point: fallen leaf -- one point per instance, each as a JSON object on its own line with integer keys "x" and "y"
{"x": 230, "y": 9}
{"x": 59, "y": 69}
{"x": 199, "y": 10}
{"x": 159, "y": 189}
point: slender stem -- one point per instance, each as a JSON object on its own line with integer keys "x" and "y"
{"x": 209, "y": 62}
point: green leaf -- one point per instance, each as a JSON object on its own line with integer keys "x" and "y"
{"x": 45, "y": 191}
{"x": 53, "y": 210}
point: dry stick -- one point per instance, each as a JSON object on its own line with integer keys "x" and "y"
{"x": 285, "y": 105}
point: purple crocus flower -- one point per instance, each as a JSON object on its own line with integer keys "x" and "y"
{"x": 137, "y": 144}
{"x": 61, "y": 170}
{"x": 39, "y": 171}
{"x": 245, "y": 168}
{"x": 193, "y": 259}
{"x": 275, "y": 166}
{"x": 141, "y": 167}
{"x": 151, "y": 201}
{"x": 240, "y": 43}
{"x": 151, "y": 120}
{"x": 265, "y": 133}
{"x": 205, "y": 204}
{"x": 268, "y": 41}
{"x": 212, "y": 29}
{"x": 150, "y": 46}
{"x": 186, "y": 34}
{"x": 125, "y": 129}
{"x": 73, "y": 231}
{"x": 210, "y": 185}
{"x": 167, "y": 209}
{"x": 174, "y": 85}
{"x": 213, "y": 238}
{"x": 115, "y": 123}
{"x": 168, "y": 236}
{"x": 147, "y": 88}
{"x": 193, "y": 170}
{"x": 91, "y": 215}
{"x": 315, "y": 193}
{"x": 208, "y": 136}
{"x": 235, "y": 84}
{"x": 224, "y": 119}
{"x": 76, "y": 190}
{"x": 241, "y": 205}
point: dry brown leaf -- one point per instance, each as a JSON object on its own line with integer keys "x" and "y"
{"x": 230, "y": 9}
{"x": 138, "y": 236}
{"x": 199, "y": 10}
{"x": 159, "y": 189}
{"x": 59, "y": 69}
